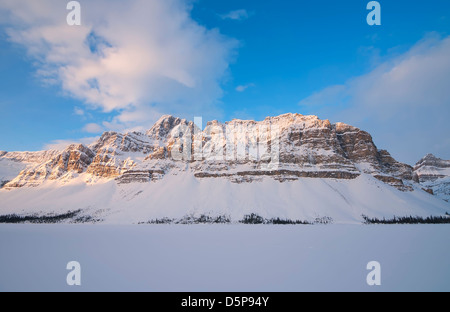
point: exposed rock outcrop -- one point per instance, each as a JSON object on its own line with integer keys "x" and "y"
{"x": 141, "y": 176}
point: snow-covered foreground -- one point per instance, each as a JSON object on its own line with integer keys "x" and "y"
{"x": 224, "y": 257}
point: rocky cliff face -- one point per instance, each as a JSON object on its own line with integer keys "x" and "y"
{"x": 434, "y": 174}
{"x": 116, "y": 153}
{"x": 285, "y": 148}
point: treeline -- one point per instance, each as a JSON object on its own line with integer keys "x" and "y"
{"x": 248, "y": 219}
{"x": 256, "y": 219}
{"x": 409, "y": 220}
{"x": 49, "y": 219}
{"x": 203, "y": 219}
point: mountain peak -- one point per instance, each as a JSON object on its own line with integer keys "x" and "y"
{"x": 76, "y": 146}
{"x": 434, "y": 174}
{"x": 164, "y": 125}
{"x": 163, "y": 118}
{"x": 431, "y": 157}
{"x": 432, "y": 160}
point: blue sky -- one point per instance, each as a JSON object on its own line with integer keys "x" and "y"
{"x": 222, "y": 60}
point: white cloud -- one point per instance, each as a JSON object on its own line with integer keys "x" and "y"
{"x": 93, "y": 128}
{"x": 242, "y": 88}
{"x": 404, "y": 103}
{"x": 126, "y": 56}
{"x": 78, "y": 111}
{"x": 237, "y": 15}
{"x": 60, "y": 145}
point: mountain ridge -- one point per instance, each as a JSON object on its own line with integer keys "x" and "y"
{"x": 289, "y": 149}
{"x": 307, "y": 144}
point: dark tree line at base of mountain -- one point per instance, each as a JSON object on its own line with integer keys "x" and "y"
{"x": 248, "y": 219}
{"x": 3, "y": 183}
{"x": 50, "y": 219}
{"x": 256, "y": 219}
{"x": 409, "y": 220}
{"x": 253, "y": 218}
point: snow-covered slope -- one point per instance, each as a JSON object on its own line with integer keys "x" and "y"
{"x": 182, "y": 195}
{"x": 291, "y": 167}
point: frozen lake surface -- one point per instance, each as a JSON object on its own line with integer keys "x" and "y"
{"x": 224, "y": 257}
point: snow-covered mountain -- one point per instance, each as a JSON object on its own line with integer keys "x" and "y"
{"x": 291, "y": 167}
{"x": 434, "y": 174}
{"x": 13, "y": 163}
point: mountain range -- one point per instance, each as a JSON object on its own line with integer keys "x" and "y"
{"x": 289, "y": 167}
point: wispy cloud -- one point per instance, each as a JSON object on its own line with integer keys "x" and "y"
{"x": 237, "y": 15}
{"x": 93, "y": 128}
{"x": 242, "y": 88}
{"x": 404, "y": 102}
{"x": 126, "y": 56}
{"x": 78, "y": 111}
{"x": 60, "y": 145}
